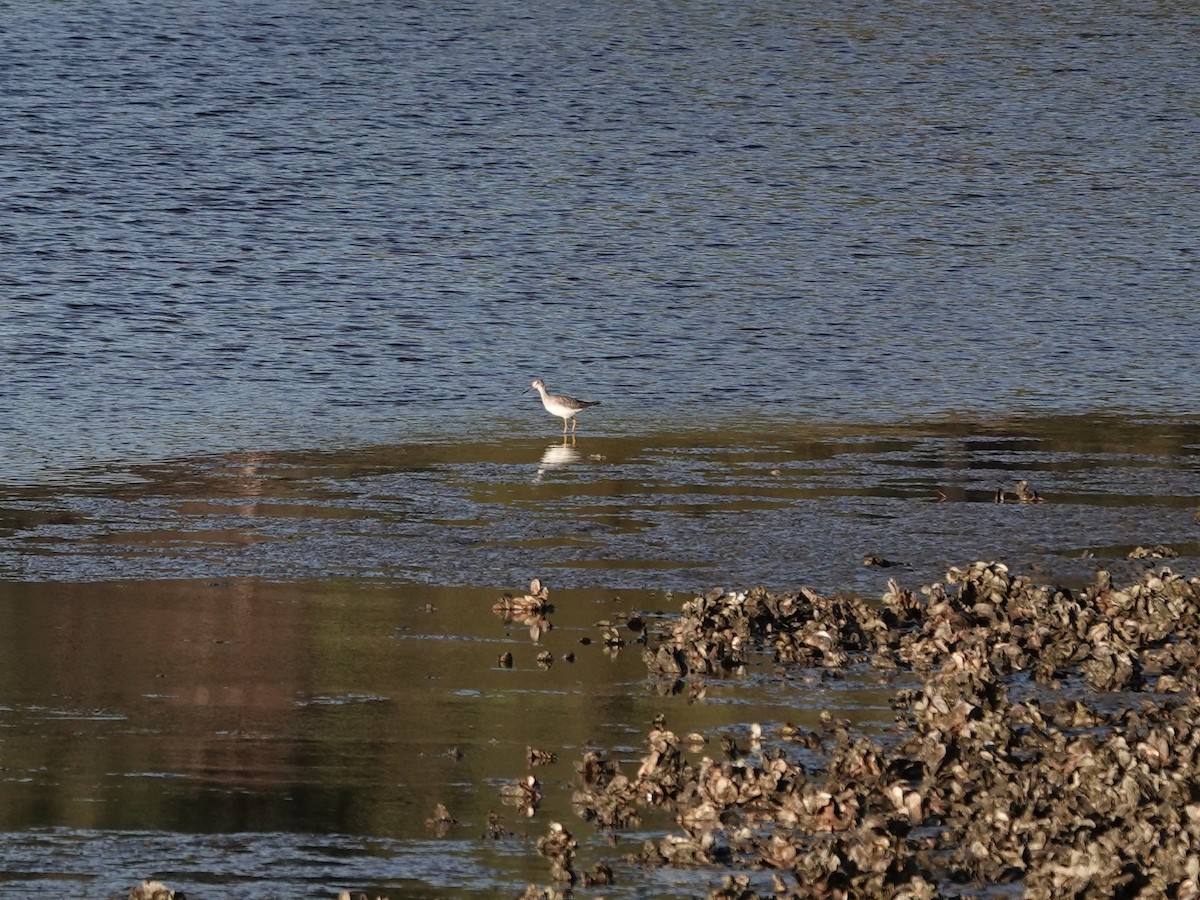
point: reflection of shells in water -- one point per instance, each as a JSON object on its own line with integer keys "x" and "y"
{"x": 538, "y": 625}
{"x": 525, "y": 794}
{"x": 530, "y": 610}
{"x": 558, "y": 846}
{"x": 536, "y": 757}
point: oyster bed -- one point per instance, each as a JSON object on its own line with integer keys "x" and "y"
{"x": 1052, "y": 746}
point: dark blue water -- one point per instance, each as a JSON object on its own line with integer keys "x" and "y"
{"x": 305, "y": 224}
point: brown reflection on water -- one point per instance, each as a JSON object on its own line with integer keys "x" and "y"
{"x": 319, "y": 706}
{"x": 113, "y": 688}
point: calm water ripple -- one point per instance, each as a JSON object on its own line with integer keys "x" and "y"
{"x": 302, "y": 224}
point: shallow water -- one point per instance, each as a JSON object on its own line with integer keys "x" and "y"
{"x": 654, "y": 512}
{"x": 291, "y": 739}
{"x": 247, "y": 671}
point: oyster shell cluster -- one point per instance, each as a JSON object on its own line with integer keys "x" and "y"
{"x": 1053, "y": 744}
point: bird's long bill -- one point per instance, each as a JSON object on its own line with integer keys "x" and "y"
{"x": 527, "y": 390}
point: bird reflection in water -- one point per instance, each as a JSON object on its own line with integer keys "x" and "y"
{"x": 558, "y": 456}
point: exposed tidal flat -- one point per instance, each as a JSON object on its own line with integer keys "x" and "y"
{"x": 261, "y": 674}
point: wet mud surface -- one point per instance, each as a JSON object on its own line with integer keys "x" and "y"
{"x": 780, "y": 506}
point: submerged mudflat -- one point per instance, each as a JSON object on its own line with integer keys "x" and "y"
{"x": 260, "y": 675}
{"x": 776, "y": 503}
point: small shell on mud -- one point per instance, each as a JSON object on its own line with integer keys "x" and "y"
{"x": 1026, "y": 494}
{"x": 1159, "y": 551}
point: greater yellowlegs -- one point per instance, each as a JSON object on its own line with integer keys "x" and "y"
{"x": 560, "y": 404}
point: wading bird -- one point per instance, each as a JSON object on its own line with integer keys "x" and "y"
{"x": 560, "y": 404}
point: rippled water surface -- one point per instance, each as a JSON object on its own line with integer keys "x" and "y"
{"x": 274, "y": 276}
{"x": 302, "y": 223}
